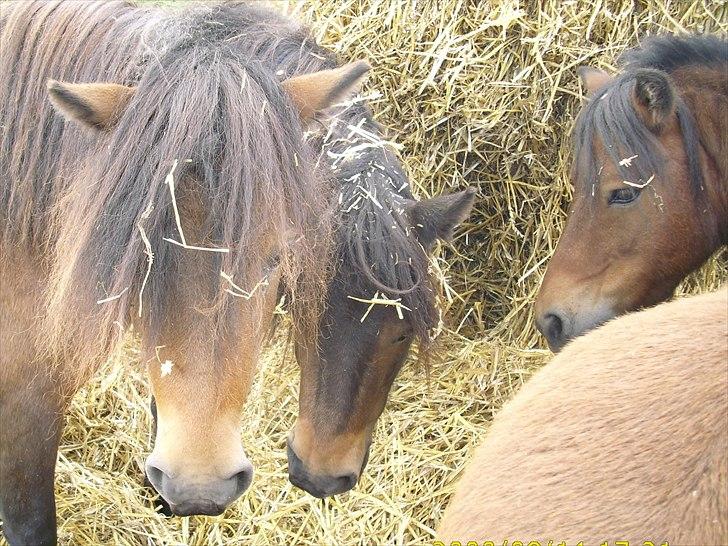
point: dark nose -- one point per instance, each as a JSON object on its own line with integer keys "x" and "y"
{"x": 318, "y": 486}
{"x": 209, "y": 498}
{"x": 198, "y": 507}
{"x": 554, "y": 326}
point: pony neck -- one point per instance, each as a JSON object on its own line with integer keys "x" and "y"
{"x": 705, "y": 92}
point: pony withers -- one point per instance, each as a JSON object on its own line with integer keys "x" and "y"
{"x": 650, "y": 185}
{"x": 623, "y": 437}
{"x": 165, "y": 185}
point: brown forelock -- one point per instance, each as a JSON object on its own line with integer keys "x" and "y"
{"x": 610, "y": 116}
{"x": 201, "y": 96}
{"x": 377, "y": 245}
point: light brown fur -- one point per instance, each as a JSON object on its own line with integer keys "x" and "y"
{"x": 312, "y": 93}
{"x": 623, "y": 436}
{"x": 98, "y": 105}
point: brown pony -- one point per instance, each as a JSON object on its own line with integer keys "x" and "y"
{"x": 623, "y": 437}
{"x": 650, "y": 181}
{"x": 172, "y": 194}
{"x": 382, "y": 298}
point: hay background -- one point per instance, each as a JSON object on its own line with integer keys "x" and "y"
{"x": 479, "y": 93}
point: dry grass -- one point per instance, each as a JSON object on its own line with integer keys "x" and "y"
{"x": 421, "y": 440}
{"x": 479, "y": 93}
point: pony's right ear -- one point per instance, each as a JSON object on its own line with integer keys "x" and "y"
{"x": 437, "y": 217}
{"x": 97, "y": 105}
{"x": 654, "y": 97}
{"x": 316, "y": 91}
{"x": 593, "y": 79}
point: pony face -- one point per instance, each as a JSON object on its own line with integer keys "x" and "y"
{"x": 344, "y": 387}
{"x": 347, "y": 371}
{"x": 201, "y": 374}
{"x": 636, "y": 226}
{"x": 198, "y": 463}
{"x": 192, "y": 252}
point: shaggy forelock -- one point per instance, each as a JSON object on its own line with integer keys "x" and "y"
{"x": 201, "y": 102}
{"x": 377, "y": 246}
{"x": 610, "y": 115}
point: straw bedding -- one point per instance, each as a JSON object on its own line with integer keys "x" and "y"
{"x": 477, "y": 93}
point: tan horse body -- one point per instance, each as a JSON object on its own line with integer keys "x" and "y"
{"x": 623, "y": 436}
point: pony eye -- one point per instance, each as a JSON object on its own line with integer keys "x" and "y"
{"x": 622, "y": 196}
{"x": 401, "y": 339}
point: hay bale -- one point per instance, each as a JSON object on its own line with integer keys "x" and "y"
{"x": 484, "y": 93}
{"x": 478, "y": 93}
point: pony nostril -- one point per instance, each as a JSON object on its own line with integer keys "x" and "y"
{"x": 552, "y": 326}
{"x": 244, "y": 478}
{"x": 555, "y": 326}
{"x": 346, "y": 482}
{"x": 156, "y": 477}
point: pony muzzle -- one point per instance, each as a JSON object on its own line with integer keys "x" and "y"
{"x": 559, "y": 326}
{"x": 199, "y": 495}
{"x": 322, "y": 484}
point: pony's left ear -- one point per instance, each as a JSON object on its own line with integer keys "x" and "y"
{"x": 96, "y": 105}
{"x": 593, "y": 79}
{"x": 436, "y": 218}
{"x": 316, "y": 91}
{"x": 654, "y": 97}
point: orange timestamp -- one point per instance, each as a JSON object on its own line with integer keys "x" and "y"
{"x": 547, "y": 543}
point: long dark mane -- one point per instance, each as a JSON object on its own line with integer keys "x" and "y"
{"x": 376, "y": 244}
{"x": 98, "y": 204}
{"x": 610, "y": 114}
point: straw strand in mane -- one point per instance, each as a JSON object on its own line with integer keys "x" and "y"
{"x": 191, "y": 75}
{"x": 375, "y": 238}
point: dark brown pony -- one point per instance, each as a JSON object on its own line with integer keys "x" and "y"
{"x": 650, "y": 181}
{"x": 173, "y": 193}
{"x": 623, "y": 437}
{"x": 382, "y": 298}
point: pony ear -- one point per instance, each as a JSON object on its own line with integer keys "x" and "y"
{"x": 654, "y": 97}
{"x": 314, "y": 92}
{"x": 97, "y": 105}
{"x": 436, "y": 218}
{"x": 593, "y": 79}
